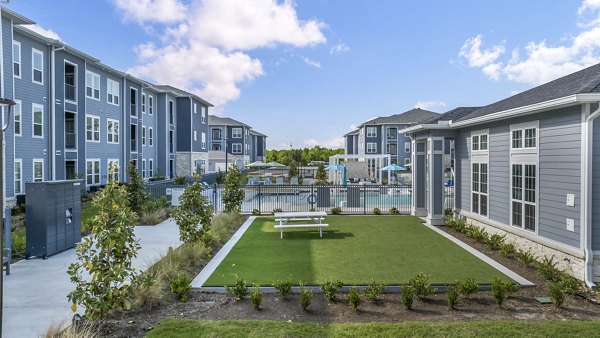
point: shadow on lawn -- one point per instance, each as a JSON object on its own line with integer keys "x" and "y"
{"x": 314, "y": 235}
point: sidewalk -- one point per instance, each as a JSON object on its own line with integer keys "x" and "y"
{"x": 35, "y": 293}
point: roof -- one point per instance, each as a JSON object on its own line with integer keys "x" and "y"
{"x": 451, "y": 115}
{"x": 584, "y": 81}
{"x": 224, "y": 121}
{"x": 355, "y": 131}
{"x": 181, "y": 92}
{"x": 416, "y": 115}
{"x": 254, "y": 132}
{"x": 16, "y": 18}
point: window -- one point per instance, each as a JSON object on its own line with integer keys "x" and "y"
{"x": 150, "y": 104}
{"x": 70, "y": 82}
{"x": 524, "y": 136}
{"x": 150, "y": 136}
{"x": 143, "y": 103}
{"x": 203, "y": 140}
{"x": 112, "y": 91}
{"x": 479, "y": 140}
{"x": 203, "y": 114}
{"x": 112, "y": 169}
{"x": 479, "y": 189}
{"x": 38, "y": 120}
{"x": 38, "y": 170}
{"x": 16, "y": 59}
{"x": 195, "y": 108}
{"x": 70, "y": 130}
{"x": 143, "y": 136}
{"x": 92, "y": 128}
{"x": 407, "y": 147}
{"x": 407, "y": 160}
{"x": 37, "y": 68}
{"x": 392, "y": 148}
{"x": 216, "y": 134}
{"x": 92, "y": 171}
{"x": 195, "y": 136}
{"x": 18, "y": 176}
{"x": 133, "y": 101}
{"x": 371, "y": 131}
{"x": 112, "y": 131}
{"x": 523, "y": 195}
{"x": 236, "y": 148}
{"x": 171, "y": 113}
{"x": 17, "y": 113}
{"x": 392, "y": 133}
{"x": 236, "y": 132}
{"x": 92, "y": 85}
{"x": 133, "y": 138}
{"x": 216, "y": 146}
{"x": 371, "y": 148}
{"x": 150, "y": 168}
{"x": 143, "y": 168}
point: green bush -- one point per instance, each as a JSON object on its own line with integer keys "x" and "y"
{"x": 496, "y": 241}
{"x": 136, "y": 194}
{"x": 461, "y": 226}
{"x": 193, "y": 210}
{"x": 256, "y": 297}
{"x": 547, "y": 268}
{"x": 525, "y": 257}
{"x": 570, "y": 285}
{"x": 181, "y": 286}
{"x": 305, "y": 296}
{"x": 508, "y": 249}
{"x": 479, "y": 234}
{"x": 255, "y": 212}
{"x": 501, "y": 289}
{"x": 394, "y": 211}
{"x": 376, "y": 211}
{"x": 354, "y": 298}
{"x": 239, "y": 288}
{"x": 18, "y": 242}
{"x": 331, "y": 288}
{"x": 420, "y": 285}
{"x": 284, "y": 288}
{"x": 557, "y": 294}
{"x": 233, "y": 194}
{"x": 373, "y": 290}
{"x": 467, "y": 287}
{"x": 407, "y": 293}
{"x": 180, "y": 180}
{"x": 452, "y": 293}
{"x": 336, "y": 211}
{"x": 450, "y": 221}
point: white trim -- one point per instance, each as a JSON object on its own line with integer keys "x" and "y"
{"x": 15, "y": 42}
{"x": 478, "y": 134}
{"x": 94, "y": 173}
{"x": 109, "y": 133}
{"x": 409, "y": 147}
{"x": 144, "y": 176}
{"x": 34, "y": 161}
{"x": 110, "y": 83}
{"x": 143, "y": 103}
{"x": 94, "y": 117}
{"x": 108, "y": 172}
{"x": 234, "y": 134}
{"x": 374, "y": 151}
{"x": 20, "y": 161}
{"x": 19, "y": 104}
{"x": 33, "y": 106}
{"x": 479, "y": 163}
{"x": 143, "y": 135}
{"x": 33, "y": 69}
{"x": 93, "y": 76}
{"x": 75, "y": 79}
{"x": 131, "y": 96}
{"x": 150, "y": 104}
{"x": 150, "y": 136}
{"x": 587, "y": 189}
{"x": 523, "y": 127}
{"x": 367, "y": 131}
{"x": 76, "y": 122}
{"x": 150, "y": 168}
{"x": 233, "y": 146}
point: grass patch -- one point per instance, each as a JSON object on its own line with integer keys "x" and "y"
{"x": 232, "y": 328}
{"x": 354, "y": 249}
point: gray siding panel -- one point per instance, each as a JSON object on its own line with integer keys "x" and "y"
{"x": 596, "y": 186}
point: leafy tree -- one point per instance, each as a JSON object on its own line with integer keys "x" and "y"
{"x": 194, "y": 213}
{"x": 136, "y": 194}
{"x": 293, "y": 170}
{"x": 233, "y": 194}
{"x": 321, "y": 175}
{"x": 305, "y": 155}
{"x": 103, "y": 275}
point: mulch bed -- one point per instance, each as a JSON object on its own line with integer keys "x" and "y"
{"x": 481, "y": 306}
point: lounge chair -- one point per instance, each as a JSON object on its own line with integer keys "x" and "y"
{"x": 279, "y": 180}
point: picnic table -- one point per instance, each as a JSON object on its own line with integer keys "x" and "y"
{"x": 285, "y": 217}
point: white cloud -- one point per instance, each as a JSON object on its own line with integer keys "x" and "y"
{"x": 339, "y": 48}
{"x": 204, "y": 43}
{"x": 430, "y": 105}
{"x": 310, "y": 62}
{"x": 282, "y": 146}
{"x": 539, "y": 62}
{"x": 335, "y": 143}
{"x": 44, "y": 32}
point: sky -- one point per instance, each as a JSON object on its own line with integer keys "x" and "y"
{"x": 306, "y": 72}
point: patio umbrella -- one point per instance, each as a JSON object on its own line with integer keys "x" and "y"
{"x": 393, "y": 167}
{"x": 336, "y": 167}
{"x": 257, "y": 164}
{"x": 274, "y": 165}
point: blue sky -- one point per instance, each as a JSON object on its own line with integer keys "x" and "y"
{"x": 305, "y": 72}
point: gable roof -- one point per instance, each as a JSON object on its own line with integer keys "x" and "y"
{"x": 224, "y": 121}
{"x": 254, "y": 132}
{"x": 354, "y": 132}
{"x": 181, "y": 92}
{"x": 452, "y": 115}
{"x": 416, "y": 115}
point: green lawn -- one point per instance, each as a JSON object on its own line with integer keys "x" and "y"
{"x": 496, "y": 328}
{"x": 355, "y": 250}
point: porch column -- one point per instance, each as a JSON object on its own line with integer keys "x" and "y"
{"x": 435, "y": 180}
{"x": 418, "y": 179}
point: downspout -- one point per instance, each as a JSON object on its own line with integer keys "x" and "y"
{"x": 52, "y": 106}
{"x": 587, "y": 195}
{"x": 191, "y": 136}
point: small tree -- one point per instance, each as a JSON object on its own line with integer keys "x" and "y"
{"x": 193, "y": 210}
{"x": 233, "y": 194}
{"x": 219, "y": 178}
{"x": 293, "y": 169}
{"x": 136, "y": 194}
{"x": 321, "y": 175}
{"x": 103, "y": 275}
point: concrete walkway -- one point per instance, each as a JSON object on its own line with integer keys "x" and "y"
{"x": 35, "y": 293}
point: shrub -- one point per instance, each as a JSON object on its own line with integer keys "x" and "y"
{"x": 18, "y": 242}
{"x": 496, "y": 241}
{"x": 277, "y": 210}
{"x": 420, "y": 285}
{"x": 547, "y": 268}
{"x": 376, "y": 211}
{"x": 239, "y": 288}
{"x": 507, "y": 249}
{"x": 407, "y": 293}
{"x": 330, "y": 289}
{"x": 102, "y": 273}
{"x": 461, "y": 226}
{"x": 394, "y": 211}
{"x": 450, "y": 221}
{"x": 479, "y": 234}
{"x": 153, "y": 217}
{"x": 233, "y": 194}
{"x": 570, "y": 285}
{"x": 256, "y": 297}
{"x": 181, "y": 286}
{"x": 305, "y": 296}
{"x": 467, "y": 287}
{"x": 557, "y": 294}
{"x": 193, "y": 209}
{"x": 336, "y": 211}
{"x": 501, "y": 289}
{"x": 180, "y": 180}
{"x": 373, "y": 290}
{"x": 255, "y": 212}
{"x": 354, "y": 298}
{"x": 312, "y": 210}
{"x": 284, "y": 287}
{"x": 452, "y": 293}
{"x": 136, "y": 194}
{"x": 525, "y": 257}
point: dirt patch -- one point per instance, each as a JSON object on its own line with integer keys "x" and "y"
{"x": 519, "y": 306}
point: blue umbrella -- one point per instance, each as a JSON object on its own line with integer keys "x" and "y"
{"x": 393, "y": 167}
{"x": 338, "y": 167}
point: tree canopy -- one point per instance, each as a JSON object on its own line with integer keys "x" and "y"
{"x": 304, "y": 155}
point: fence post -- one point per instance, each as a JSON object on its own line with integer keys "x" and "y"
{"x": 259, "y": 202}
{"x": 364, "y": 199}
{"x": 215, "y": 198}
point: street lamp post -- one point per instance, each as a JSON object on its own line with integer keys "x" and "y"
{"x": 9, "y": 104}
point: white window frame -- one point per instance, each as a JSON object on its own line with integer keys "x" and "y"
{"x": 110, "y": 91}
{"x": 143, "y": 103}
{"x": 236, "y": 148}
{"x": 143, "y": 136}
{"x": 18, "y": 182}
{"x": 371, "y": 131}
{"x": 195, "y": 108}
{"x": 150, "y": 136}
{"x": 476, "y": 186}
{"x": 371, "y": 148}
{"x": 479, "y": 139}
{"x": 33, "y": 178}
{"x": 523, "y": 128}
{"x": 171, "y": 112}
{"x": 18, "y": 117}
{"x": 18, "y": 45}
{"x": 203, "y": 140}
{"x": 144, "y": 168}
{"x": 150, "y": 104}
{"x": 407, "y": 146}
{"x": 33, "y": 69}
{"x": 93, "y": 174}
{"x": 203, "y": 110}
{"x": 406, "y": 160}
{"x": 150, "y": 168}
{"x": 114, "y": 175}
{"x": 236, "y": 132}
{"x": 33, "y": 111}
{"x": 95, "y": 138}
{"x": 195, "y": 136}
{"x": 92, "y": 77}
{"x": 109, "y": 133}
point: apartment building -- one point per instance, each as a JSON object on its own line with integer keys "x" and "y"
{"x": 242, "y": 144}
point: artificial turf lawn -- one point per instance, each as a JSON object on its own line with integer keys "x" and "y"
{"x": 354, "y": 249}
{"x": 489, "y": 328}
